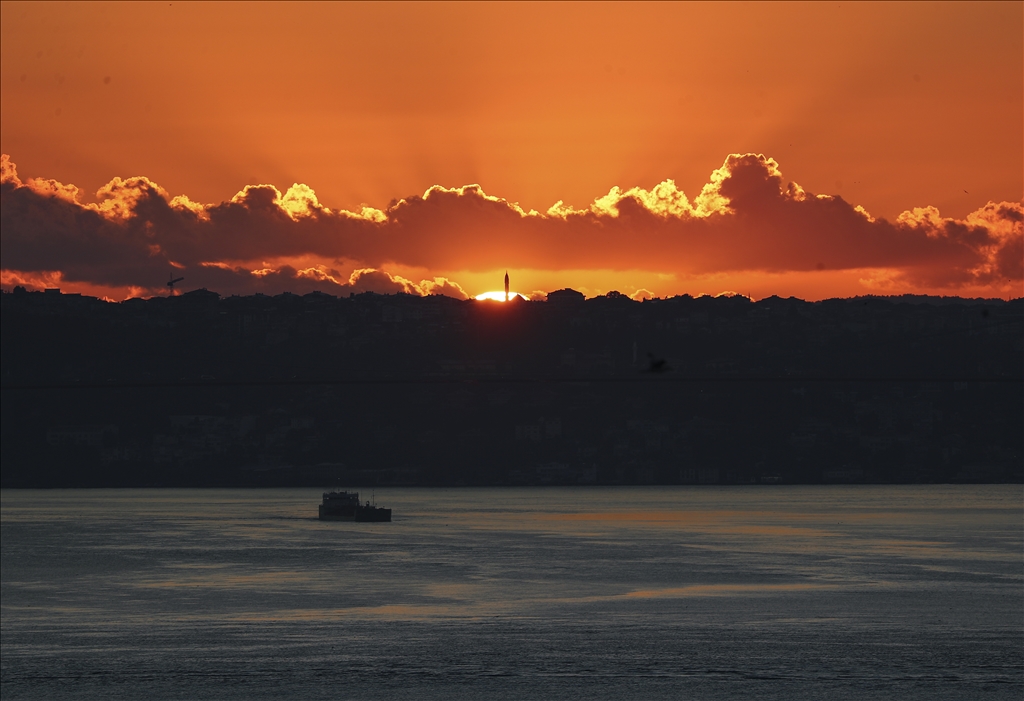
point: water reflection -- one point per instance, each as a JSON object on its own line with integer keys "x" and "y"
{"x": 601, "y": 583}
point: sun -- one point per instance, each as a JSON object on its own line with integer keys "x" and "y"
{"x": 498, "y": 296}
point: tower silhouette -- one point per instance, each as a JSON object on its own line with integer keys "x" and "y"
{"x": 506, "y": 285}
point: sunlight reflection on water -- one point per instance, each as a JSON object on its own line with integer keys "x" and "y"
{"x": 778, "y": 592}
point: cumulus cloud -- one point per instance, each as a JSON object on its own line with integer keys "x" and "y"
{"x": 748, "y": 217}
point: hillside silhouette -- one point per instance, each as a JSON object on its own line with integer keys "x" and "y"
{"x": 202, "y": 390}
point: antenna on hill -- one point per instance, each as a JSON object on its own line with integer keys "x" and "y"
{"x": 171, "y": 280}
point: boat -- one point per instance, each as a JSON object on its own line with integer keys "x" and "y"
{"x": 345, "y": 506}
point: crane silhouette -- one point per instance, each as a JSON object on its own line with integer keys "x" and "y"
{"x": 171, "y": 280}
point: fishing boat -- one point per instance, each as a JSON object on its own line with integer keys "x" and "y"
{"x": 345, "y": 506}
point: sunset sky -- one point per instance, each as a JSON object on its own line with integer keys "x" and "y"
{"x": 815, "y": 150}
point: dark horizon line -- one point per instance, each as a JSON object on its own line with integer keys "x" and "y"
{"x": 519, "y": 295}
{"x": 486, "y": 379}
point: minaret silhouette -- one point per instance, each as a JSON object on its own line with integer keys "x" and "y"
{"x": 506, "y": 285}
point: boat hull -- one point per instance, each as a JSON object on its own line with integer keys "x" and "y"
{"x": 345, "y": 506}
{"x": 347, "y": 515}
{"x": 372, "y": 514}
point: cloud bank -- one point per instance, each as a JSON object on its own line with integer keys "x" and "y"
{"x": 748, "y": 217}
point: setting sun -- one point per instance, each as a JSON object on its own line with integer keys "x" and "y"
{"x": 498, "y": 296}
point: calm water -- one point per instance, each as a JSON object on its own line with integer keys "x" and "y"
{"x": 619, "y": 593}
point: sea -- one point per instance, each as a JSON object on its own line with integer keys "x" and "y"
{"x": 761, "y": 592}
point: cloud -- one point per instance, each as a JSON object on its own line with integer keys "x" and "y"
{"x": 748, "y": 217}
{"x": 320, "y": 278}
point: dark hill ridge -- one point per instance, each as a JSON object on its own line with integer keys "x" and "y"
{"x": 376, "y": 389}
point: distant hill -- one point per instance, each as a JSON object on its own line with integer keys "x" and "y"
{"x": 199, "y": 389}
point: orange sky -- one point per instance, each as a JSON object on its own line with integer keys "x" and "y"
{"x": 887, "y": 106}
